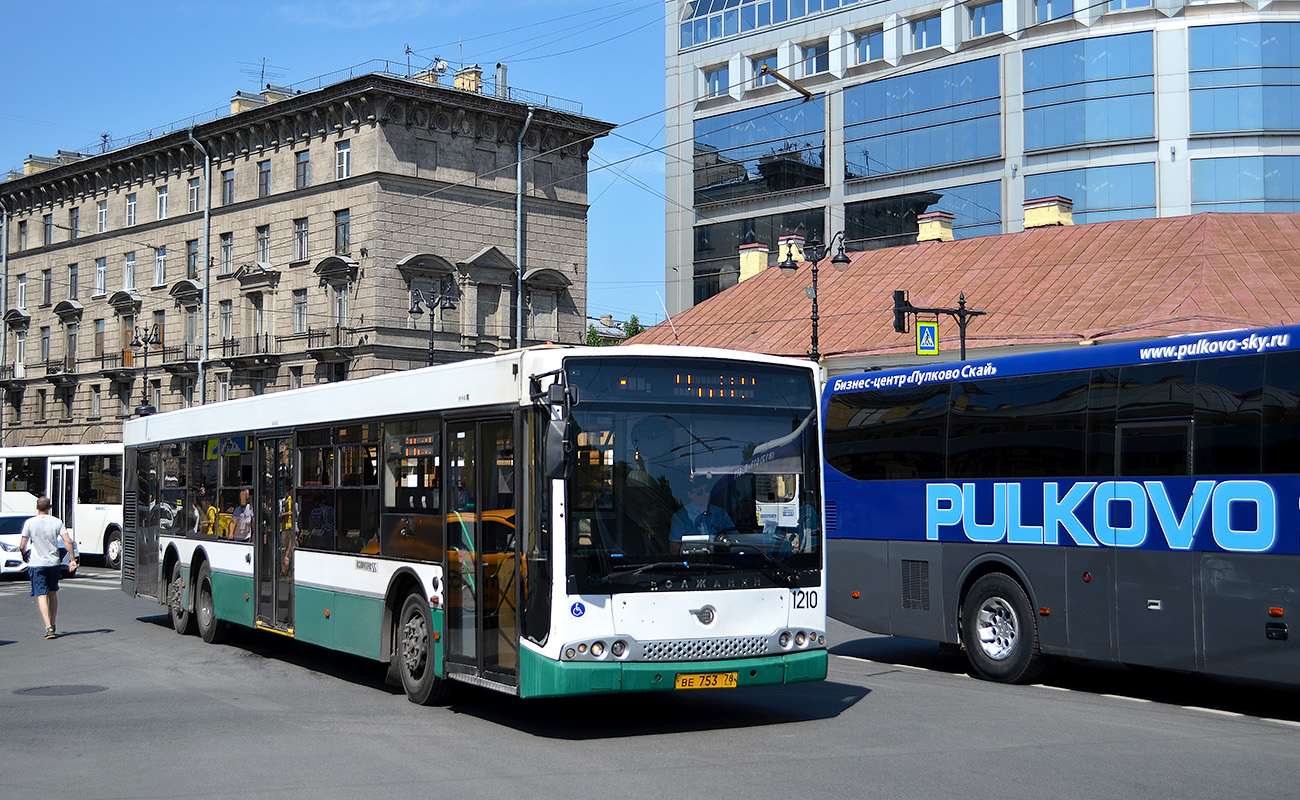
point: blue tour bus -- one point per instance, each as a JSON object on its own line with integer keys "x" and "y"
{"x": 1135, "y": 502}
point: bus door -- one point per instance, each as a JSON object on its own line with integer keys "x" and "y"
{"x": 481, "y": 563}
{"x": 63, "y": 490}
{"x": 274, "y": 534}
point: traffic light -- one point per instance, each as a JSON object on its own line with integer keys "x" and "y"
{"x": 900, "y": 311}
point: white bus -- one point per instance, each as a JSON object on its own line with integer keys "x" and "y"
{"x": 551, "y": 521}
{"x": 84, "y": 484}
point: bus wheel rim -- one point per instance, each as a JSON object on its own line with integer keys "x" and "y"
{"x": 414, "y": 645}
{"x": 997, "y": 626}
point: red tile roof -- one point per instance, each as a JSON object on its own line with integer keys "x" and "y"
{"x": 1103, "y": 281}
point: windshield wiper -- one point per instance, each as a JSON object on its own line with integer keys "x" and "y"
{"x": 621, "y": 571}
{"x": 787, "y": 572}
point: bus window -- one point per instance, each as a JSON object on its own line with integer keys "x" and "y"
{"x": 1228, "y": 416}
{"x": 890, "y": 436}
{"x": 100, "y": 481}
{"x": 1281, "y": 410}
{"x": 411, "y": 520}
{"x": 25, "y": 475}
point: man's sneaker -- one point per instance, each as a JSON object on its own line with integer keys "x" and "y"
{"x": 49, "y": 632}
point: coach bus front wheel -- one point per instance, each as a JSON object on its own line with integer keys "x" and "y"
{"x": 999, "y": 631}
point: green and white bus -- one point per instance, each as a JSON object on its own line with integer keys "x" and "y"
{"x": 550, "y": 521}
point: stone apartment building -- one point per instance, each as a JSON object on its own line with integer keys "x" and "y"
{"x": 286, "y": 244}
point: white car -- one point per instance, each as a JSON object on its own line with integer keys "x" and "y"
{"x": 11, "y": 560}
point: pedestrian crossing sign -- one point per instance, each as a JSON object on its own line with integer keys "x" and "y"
{"x": 927, "y": 338}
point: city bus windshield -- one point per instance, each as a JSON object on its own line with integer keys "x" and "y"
{"x": 691, "y": 479}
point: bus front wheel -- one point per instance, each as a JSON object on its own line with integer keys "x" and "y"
{"x": 999, "y": 631}
{"x": 113, "y": 549}
{"x": 211, "y": 629}
{"x": 415, "y": 653}
{"x": 182, "y": 621}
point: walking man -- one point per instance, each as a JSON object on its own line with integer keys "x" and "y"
{"x": 43, "y": 532}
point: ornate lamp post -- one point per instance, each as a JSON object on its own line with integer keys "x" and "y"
{"x": 814, "y": 251}
{"x": 149, "y": 340}
{"x": 440, "y": 301}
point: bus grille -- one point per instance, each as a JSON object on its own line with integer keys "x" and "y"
{"x": 916, "y": 585}
{"x": 832, "y": 519}
{"x": 698, "y": 649}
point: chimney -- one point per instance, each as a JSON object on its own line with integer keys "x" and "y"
{"x": 469, "y": 79}
{"x": 503, "y": 88}
{"x": 934, "y": 226}
{"x": 753, "y": 259}
{"x": 1047, "y": 211}
{"x": 274, "y": 94}
{"x": 243, "y": 101}
{"x": 792, "y": 245}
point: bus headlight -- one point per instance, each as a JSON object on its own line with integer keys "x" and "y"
{"x": 569, "y": 653}
{"x": 618, "y": 649}
{"x": 597, "y": 649}
{"x": 784, "y": 639}
{"x": 799, "y": 639}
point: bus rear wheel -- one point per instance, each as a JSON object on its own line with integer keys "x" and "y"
{"x": 211, "y": 629}
{"x": 182, "y": 621}
{"x": 999, "y": 631}
{"x": 415, "y": 655}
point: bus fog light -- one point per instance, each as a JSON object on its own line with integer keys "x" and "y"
{"x": 569, "y": 653}
{"x": 598, "y": 649}
{"x": 618, "y": 649}
{"x": 784, "y": 639}
{"x": 799, "y": 639}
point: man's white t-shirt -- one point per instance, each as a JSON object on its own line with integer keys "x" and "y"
{"x": 43, "y": 533}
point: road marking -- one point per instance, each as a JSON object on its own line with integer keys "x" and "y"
{"x": 1126, "y": 697}
{"x": 1290, "y": 722}
{"x": 1053, "y": 688}
{"x": 1220, "y": 712}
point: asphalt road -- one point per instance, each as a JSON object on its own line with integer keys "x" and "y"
{"x": 120, "y": 706}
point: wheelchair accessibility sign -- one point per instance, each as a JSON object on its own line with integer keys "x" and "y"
{"x": 927, "y": 338}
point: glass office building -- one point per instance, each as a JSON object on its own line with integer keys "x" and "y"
{"x": 811, "y": 117}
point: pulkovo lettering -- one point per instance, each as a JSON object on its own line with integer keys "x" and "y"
{"x": 949, "y": 505}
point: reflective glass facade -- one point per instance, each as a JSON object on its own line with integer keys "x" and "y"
{"x": 1245, "y": 77}
{"x": 1124, "y": 191}
{"x": 941, "y": 116}
{"x": 706, "y": 20}
{"x": 717, "y": 246}
{"x": 757, "y": 151}
{"x": 891, "y": 221}
{"x": 1247, "y": 183}
{"x": 1094, "y": 90}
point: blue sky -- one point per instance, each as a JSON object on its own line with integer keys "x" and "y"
{"x": 75, "y": 70}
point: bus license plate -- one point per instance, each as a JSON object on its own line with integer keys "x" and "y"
{"x": 705, "y": 680}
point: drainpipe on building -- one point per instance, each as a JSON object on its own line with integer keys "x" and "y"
{"x": 519, "y": 230}
{"x": 4, "y": 298}
{"x": 207, "y": 260}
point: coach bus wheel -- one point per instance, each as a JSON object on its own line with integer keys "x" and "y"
{"x": 182, "y": 622}
{"x": 1000, "y": 632}
{"x": 415, "y": 653}
{"x": 113, "y": 549}
{"x": 211, "y": 629}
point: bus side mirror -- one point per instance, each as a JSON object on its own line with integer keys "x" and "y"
{"x": 558, "y": 449}
{"x": 559, "y": 394}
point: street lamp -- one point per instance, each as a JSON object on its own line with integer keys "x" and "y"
{"x": 814, "y": 251}
{"x": 149, "y": 340}
{"x": 442, "y": 300}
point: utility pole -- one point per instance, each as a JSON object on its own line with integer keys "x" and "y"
{"x": 963, "y": 315}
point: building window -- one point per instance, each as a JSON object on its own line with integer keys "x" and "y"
{"x": 948, "y": 115}
{"x": 101, "y": 276}
{"x": 228, "y": 186}
{"x": 295, "y": 377}
{"x": 70, "y": 345}
{"x": 342, "y": 231}
{"x": 340, "y": 305}
{"x": 128, "y": 271}
{"x": 160, "y": 266}
{"x": 1121, "y": 5}
{"x": 162, "y": 202}
{"x": 986, "y": 19}
{"x": 22, "y": 234}
{"x": 1122, "y": 191}
{"x": 159, "y": 330}
{"x": 226, "y": 258}
{"x": 760, "y": 151}
{"x": 187, "y": 393}
{"x": 891, "y": 221}
{"x": 191, "y": 325}
{"x": 299, "y": 310}
{"x": 1245, "y": 78}
{"x": 20, "y": 354}
{"x": 226, "y": 318}
{"x": 263, "y": 178}
{"x": 869, "y": 45}
{"x": 300, "y": 239}
{"x": 96, "y": 402}
{"x": 716, "y": 81}
{"x": 47, "y": 287}
{"x": 256, "y": 315}
{"x": 264, "y": 243}
{"x": 194, "y": 194}
{"x": 302, "y": 169}
{"x": 47, "y": 229}
{"x": 74, "y": 223}
{"x": 101, "y": 216}
{"x": 1092, "y": 90}
{"x": 192, "y": 258}
{"x": 759, "y": 62}
{"x": 223, "y": 386}
{"x": 73, "y": 270}
{"x": 130, "y": 209}
{"x": 22, "y": 291}
{"x": 1246, "y": 184}
{"x": 40, "y": 405}
{"x": 816, "y": 58}
{"x": 45, "y": 343}
{"x": 927, "y": 32}
{"x": 343, "y": 160}
{"x": 1048, "y": 10}
{"x": 98, "y": 343}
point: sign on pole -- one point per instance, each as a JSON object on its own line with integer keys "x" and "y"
{"x": 927, "y": 338}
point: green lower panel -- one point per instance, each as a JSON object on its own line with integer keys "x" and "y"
{"x": 232, "y": 598}
{"x": 542, "y": 677}
{"x": 339, "y": 621}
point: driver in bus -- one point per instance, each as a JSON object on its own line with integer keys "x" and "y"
{"x": 699, "y": 519}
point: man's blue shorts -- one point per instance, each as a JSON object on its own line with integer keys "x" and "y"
{"x": 44, "y": 579}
